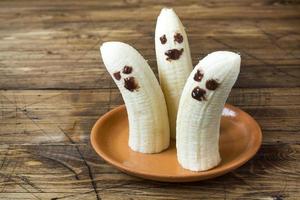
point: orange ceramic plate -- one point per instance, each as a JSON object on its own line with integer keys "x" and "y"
{"x": 240, "y": 139}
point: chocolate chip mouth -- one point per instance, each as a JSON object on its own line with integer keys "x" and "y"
{"x": 131, "y": 84}
{"x": 173, "y": 54}
{"x": 199, "y": 94}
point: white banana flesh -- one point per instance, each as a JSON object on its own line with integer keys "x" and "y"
{"x": 173, "y": 60}
{"x": 146, "y": 108}
{"x": 200, "y": 110}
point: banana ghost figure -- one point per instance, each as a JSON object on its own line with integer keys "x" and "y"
{"x": 146, "y": 108}
{"x": 200, "y": 109}
{"x": 173, "y": 60}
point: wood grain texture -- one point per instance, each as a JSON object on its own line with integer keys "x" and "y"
{"x": 53, "y": 87}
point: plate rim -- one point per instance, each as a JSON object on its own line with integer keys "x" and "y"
{"x": 195, "y": 176}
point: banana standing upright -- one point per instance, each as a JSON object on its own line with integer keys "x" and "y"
{"x": 173, "y": 60}
{"x": 146, "y": 108}
{"x": 200, "y": 109}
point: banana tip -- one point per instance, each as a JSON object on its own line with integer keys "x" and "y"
{"x": 167, "y": 12}
{"x": 226, "y": 54}
{"x": 112, "y": 46}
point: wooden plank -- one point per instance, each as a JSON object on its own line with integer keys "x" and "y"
{"x": 44, "y": 116}
{"x": 89, "y": 75}
{"x": 54, "y": 171}
{"x": 126, "y": 4}
{"x": 66, "y": 40}
{"x": 197, "y": 9}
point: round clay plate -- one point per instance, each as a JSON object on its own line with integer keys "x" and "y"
{"x": 240, "y": 139}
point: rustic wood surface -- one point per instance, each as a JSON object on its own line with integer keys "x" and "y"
{"x": 53, "y": 87}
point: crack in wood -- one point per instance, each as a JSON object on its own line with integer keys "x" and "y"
{"x": 280, "y": 194}
{"x": 236, "y": 176}
{"x": 102, "y": 189}
{"x": 72, "y": 195}
{"x": 86, "y": 164}
{"x": 5, "y": 157}
{"x": 21, "y": 185}
{"x": 28, "y": 117}
{"x": 28, "y": 182}
{"x": 61, "y": 163}
{"x": 9, "y": 177}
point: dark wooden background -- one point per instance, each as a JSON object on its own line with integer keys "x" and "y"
{"x": 53, "y": 87}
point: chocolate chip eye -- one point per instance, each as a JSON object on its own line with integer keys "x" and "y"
{"x": 127, "y": 69}
{"x": 198, "y": 76}
{"x": 130, "y": 84}
{"x": 212, "y": 84}
{"x": 199, "y": 94}
{"x": 117, "y": 75}
{"x": 163, "y": 39}
{"x": 178, "y": 38}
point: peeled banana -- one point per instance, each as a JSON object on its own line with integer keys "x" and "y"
{"x": 146, "y": 108}
{"x": 173, "y": 60}
{"x": 200, "y": 109}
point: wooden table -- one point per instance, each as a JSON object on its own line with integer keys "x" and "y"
{"x": 54, "y": 87}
